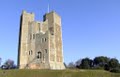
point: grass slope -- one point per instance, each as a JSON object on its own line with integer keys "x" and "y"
{"x": 56, "y": 73}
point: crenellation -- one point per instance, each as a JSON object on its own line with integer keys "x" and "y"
{"x": 40, "y": 46}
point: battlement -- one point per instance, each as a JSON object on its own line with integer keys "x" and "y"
{"x": 25, "y": 12}
{"x": 40, "y": 43}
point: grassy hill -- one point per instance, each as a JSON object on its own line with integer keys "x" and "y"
{"x": 56, "y": 73}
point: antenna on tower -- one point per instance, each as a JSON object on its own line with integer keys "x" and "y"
{"x": 48, "y": 8}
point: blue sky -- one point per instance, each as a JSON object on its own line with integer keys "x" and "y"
{"x": 90, "y": 27}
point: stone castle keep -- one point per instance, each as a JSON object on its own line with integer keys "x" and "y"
{"x": 40, "y": 43}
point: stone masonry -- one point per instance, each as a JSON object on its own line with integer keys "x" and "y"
{"x": 40, "y": 43}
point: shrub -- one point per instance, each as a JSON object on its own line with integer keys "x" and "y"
{"x": 115, "y": 70}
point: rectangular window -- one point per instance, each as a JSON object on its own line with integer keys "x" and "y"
{"x": 33, "y": 36}
{"x": 45, "y": 50}
{"x": 45, "y": 39}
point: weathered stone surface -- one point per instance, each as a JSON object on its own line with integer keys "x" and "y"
{"x": 40, "y": 43}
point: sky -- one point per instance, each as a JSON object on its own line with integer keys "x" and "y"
{"x": 90, "y": 28}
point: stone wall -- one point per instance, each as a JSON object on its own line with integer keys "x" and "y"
{"x": 40, "y": 46}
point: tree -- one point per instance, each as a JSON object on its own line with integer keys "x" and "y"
{"x": 77, "y": 63}
{"x": 9, "y": 64}
{"x": 101, "y": 61}
{"x": 86, "y": 63}
{"x": 113, "y": 63}
{"x": 71, "y": 65}
{"x": 106, "y": 67}
{"x": 0, "y": 60}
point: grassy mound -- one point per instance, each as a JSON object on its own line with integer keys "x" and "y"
{"x": 56, "y": 73}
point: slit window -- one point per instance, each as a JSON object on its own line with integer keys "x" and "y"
{"x": 33, "y": 36}
{"x": 30, "y": 52}
{"x": 45, "y": 39}
{"x": 45, "y": 50}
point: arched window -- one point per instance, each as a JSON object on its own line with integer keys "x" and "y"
{"x": 33, "y": 36}
{"x": 45, "y": 50}
{"x": 45, "y": 39}
{"x": 39, "y": 55}
{"x": 31, "y": 52}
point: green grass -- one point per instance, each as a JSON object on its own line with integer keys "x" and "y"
{"x": 57, "y": 73}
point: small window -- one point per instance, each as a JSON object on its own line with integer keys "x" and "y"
{"x": 45, "y": 39}
{"x": 29, "y": 52}
{"x": 45, "y": 50}
{"x": 39, "y": 55}
{"x": 52, "y": 33}
{"x": 33, "y": 36}
{"x": 51, "y": 30}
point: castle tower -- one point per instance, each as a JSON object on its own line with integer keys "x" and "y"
{"x": 40, "y": 43}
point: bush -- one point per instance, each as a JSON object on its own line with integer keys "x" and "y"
{"x": 98, "y": 67}
{"x": 4, "y": 67}
{"x": 9, "y": 64}
{"x": 115, "y": 70}
{"x": 71, "y": 65}
{"x": 107, "y": 67}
